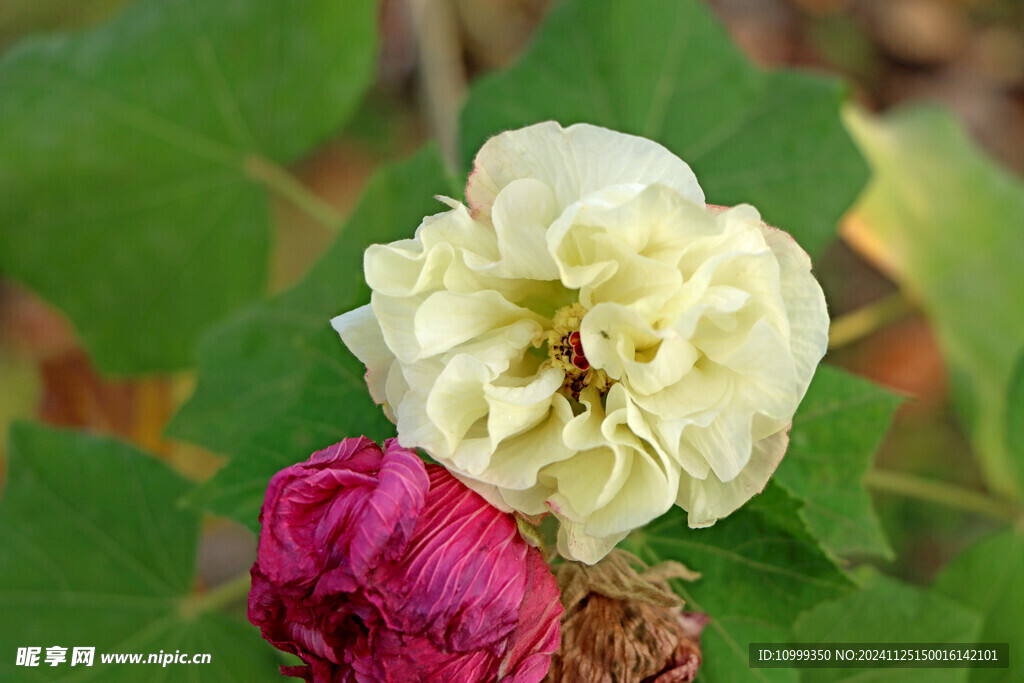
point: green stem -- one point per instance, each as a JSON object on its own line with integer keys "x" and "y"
{"x": 218, "y": 597}
{"x": 289, "y": 187}
{"x": 856, "y": 325}
{"x": 945, "y": 494}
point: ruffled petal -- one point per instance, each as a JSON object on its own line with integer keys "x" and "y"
{"x": 805, "y": 306}
{"x": 575, "y": 544}
{"x": 360, "y": 332}
{"x": 573, "y": 162}
{"x": 446, "y": 319}
{"x": 708, "y": 500}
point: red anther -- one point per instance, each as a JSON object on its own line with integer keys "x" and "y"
{"x": 574, "y": 338}
{"x": 580, "y": 362}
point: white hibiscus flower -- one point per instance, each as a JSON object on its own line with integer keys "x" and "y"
{"x": 588, "y": 338}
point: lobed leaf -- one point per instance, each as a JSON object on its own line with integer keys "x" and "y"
{"x": 126, "y": 159}
{"x": 887, "y": 611}
{"x": 97, "y": 554}
{"x": 835, "y": 433}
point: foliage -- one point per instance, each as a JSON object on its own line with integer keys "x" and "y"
{"x": 131, "y": 155}
{"x": 949, "y": 220}
{"x": 135, "y": 159}
{"x": 114, "y": 572}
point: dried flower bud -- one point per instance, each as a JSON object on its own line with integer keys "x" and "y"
{"x": 621, "y": 626}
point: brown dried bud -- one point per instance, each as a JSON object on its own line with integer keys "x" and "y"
{"x": 624, "y": 626}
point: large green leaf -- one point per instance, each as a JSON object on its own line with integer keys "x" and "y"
{"x": 987, "y": 578}
{"x": 887, "y": 611}
{"x": 952, "y": 226}
{"x": 275, "y": 381}
{"x": 126, "y": 159}
{"x": 95, "y": 553}
{"x": 835, "y": 433}
{"x": 759, "y": 568}
{"x": 669, "y": 72}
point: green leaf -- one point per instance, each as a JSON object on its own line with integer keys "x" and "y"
{"x": 95, "y": 553}
{"x": 887, "y": 611}
{"x": 949, "y": 222}
{"x": 760, "y": 569}
{"x": 670, "y": 73}
{"x": 835, "y": 434}
{"x": 275, "y": 381}
{"x": 1015, "y": 413}
{"x": 124, "y": 153}
{"x": 987, "y": 578}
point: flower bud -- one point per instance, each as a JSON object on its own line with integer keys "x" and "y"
{"x": 374, "y": 568}
{"x": 621, "y": 626}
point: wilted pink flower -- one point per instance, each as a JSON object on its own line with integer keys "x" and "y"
{"x": 374, "y": 568}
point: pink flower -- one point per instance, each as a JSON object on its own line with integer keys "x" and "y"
{"x": 374, "y": 568}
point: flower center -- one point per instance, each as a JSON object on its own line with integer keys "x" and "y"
{"x": 565, "y": 352}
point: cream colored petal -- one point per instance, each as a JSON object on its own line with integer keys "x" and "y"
{"x": 725, "y": 443}
{"x": 648, "y": 492}
{"x": 705, "y": 388}
{"x": 446, "y": 319}
{"x": 575, "y": 544}
{"x": 460, "y": 230}
{"x": 361, "y": 333}
{"x": 414, "y": 426}
{"x": 639, "y": 282}
{"x": 395, "y": 389}
{"x": 588, "y": 480}
{"x": 457, "y": 400}
{"x": 622, "y": 244}
{"x": 693, "y": 463}
{"x": 500, "y": 349}
{"x": 583, "y": 432}
{"x": 514, "y": 409}
{"x": 404, "y": 268}
{"x": 574, "y": 162}
{"x": 593, "y": 478}
{"x": 764, "y": 371}
{"x": 576, "y": 253}
{"x": 706, "y": 501}
{"x": 529, "y": 501}
{"x": 805, "y": 306}
{"x": 489, "y": 492}
{"x": 396, "y": 317}
{"x": 473, "y": 455}
{"x": 650, "y": 371}
{"x": 522, "y": 214}
{"x": 611, "y": 332}
{"x": 644, "y": 234}
{"x": 514, "y": 464}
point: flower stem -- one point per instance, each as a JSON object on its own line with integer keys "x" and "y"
{"x": 218, "y": 597}
{"x": 442, "y": 73}
{"x": 945, "y": 494}
{"x": 856, "y": 325}
{"x": 289, "y": 187}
